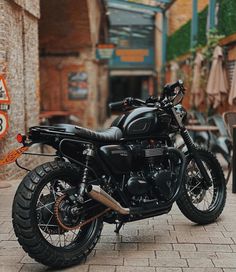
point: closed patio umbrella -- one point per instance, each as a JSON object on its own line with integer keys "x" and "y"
{"x": 232, "y": 93}
{"x": 197, "y": 95}
{"x": 217, "y": 86}
{"x": 174, "y": 67}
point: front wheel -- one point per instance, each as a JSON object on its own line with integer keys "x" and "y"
{"x": 203, "y": 205}
{"x": 36, "y": 219}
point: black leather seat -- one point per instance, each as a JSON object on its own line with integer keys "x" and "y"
{"x": 109, "y": 135}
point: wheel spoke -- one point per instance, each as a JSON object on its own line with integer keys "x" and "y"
{"x": 202, "y": 199}
{"x": 45, "y": 206}
{"x": 47, "y": 222}
{"x": 195, "y": 187}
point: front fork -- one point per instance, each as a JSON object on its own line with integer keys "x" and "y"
{"x": 194, "y": 152}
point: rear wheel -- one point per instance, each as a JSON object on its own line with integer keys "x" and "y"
{"x": 39, "y": 229}
{"x": 198, "y": 204}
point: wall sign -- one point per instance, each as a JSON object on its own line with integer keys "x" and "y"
{"x": 105, "y": 51}
{"x": 3, "y": 124}
{"x": 4, "y": 106}
{"x": 133, "y": 58}
{"x": 4, "y": 95}
{"x": 77, "y": 85}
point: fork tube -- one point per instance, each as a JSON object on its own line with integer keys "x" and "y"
{"x": 193, "y": 150}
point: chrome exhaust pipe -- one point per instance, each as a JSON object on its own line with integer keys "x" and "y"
{"x": 97, "y": 193}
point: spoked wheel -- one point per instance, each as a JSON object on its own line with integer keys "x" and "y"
{"x": 48, "y": 226}
{"x": 53, "y": 214}
{"x": 200, "y": 204}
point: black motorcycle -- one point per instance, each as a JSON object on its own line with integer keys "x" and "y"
{"x": 125, "y": 173}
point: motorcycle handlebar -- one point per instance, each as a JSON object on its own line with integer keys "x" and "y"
{"x": 169, "y": 88}
{"x": 126, "y": 104}
{"x": 116, "y": 106}
{"x": 130, "y": 102}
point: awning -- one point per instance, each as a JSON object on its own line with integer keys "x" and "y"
{"x": 132, "y": 73}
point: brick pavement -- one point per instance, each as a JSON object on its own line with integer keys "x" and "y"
{"x": 169, "y": 243}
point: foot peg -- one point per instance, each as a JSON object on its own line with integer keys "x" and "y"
{"x": 118, "y": 227}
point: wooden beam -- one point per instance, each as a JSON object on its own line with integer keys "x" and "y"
{"x": 228, "y": 40}
{"x": 163, "y": 1}
{"x": 164, "y": 44}
{"x": 212, "y": 7}
{"x": 194, "y": 24}
{"x": 135, "y": 5}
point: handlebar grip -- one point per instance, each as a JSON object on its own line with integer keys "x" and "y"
{"x": 178, "y": 83}
{"x": 170, "y": 87}
{"x": 117, "y": 106}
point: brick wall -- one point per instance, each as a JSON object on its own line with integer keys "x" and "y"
{"x": 181, "y": 11}
{"x": 54, "y": 86}
{"x": 73, "y": 27}
{"x": 19, "y": 65}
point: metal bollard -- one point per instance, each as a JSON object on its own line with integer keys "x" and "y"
{"x": 234, "y": 161}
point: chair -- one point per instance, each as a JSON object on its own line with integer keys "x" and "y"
{"x": 221, "y": 141}
{"x": 201, "y": 138}
{"x": 229, "y": 118}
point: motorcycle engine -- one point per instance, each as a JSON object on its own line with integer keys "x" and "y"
{"x": 155, "y": 177}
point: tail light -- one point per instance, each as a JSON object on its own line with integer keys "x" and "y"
{"x": 20, "y": 138}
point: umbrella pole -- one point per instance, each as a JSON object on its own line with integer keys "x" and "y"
{"x": 234, "y": 161}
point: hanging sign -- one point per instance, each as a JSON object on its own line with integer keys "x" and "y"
{"x": 78, "y": 85}
{"x": 4, "y": 94}
{"x": 105, "y": 51}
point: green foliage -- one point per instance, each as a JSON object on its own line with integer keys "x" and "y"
{"x": 227, "y": 17}
{"x": 180, "y": 42}
{"x": 202, "y": 27}
{"x": 213, "y": 39}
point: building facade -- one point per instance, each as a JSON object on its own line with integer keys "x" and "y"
{"x": 212, "y": 16}
{"x": 47, "y": 56}
{"x": 71, "y": 78}
{"x": 19, "y": 64}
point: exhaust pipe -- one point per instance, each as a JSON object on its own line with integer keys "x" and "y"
{"x": 97, "y": 193}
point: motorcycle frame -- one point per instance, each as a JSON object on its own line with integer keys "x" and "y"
{"x": 192, "y": 151}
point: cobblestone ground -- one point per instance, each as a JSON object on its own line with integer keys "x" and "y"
{"x": 169, "y": 243}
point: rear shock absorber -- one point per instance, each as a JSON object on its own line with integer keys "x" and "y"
{"x": 89, "y": 153}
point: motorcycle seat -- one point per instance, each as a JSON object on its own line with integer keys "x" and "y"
{"x": 111, "y": 134}
{"x": 108, "y": 135}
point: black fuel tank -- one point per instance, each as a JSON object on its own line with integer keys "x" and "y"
{"x": 141, "y": 121}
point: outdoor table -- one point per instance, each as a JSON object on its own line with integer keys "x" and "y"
{"x": 49, "y": 114}
{"x": 193, "y": 122}
{"x": 55, "y": 116}
{"x": 203, "y": 128}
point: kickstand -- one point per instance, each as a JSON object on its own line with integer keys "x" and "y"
{"x": 118, "y": 227}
